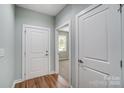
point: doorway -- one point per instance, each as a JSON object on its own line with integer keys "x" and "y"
{"x": 63, "y": 51}
{"x": 35, "y": 51}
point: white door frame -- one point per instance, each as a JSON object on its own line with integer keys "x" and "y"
{"x": 122, "y": 47}
{"x": 56, "y": 48}
{"x": 24, "y": 47}
{"x": 76, "y": 37}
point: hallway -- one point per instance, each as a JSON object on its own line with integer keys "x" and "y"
{"x": 61, "y": 45}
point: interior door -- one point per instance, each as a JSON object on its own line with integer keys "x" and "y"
{"x": 37, "y": 49}
{"x": 100, "y": 47}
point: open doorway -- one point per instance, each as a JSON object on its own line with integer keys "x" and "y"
{"x": 63, "y": 51}
{"x": 63, "y": 54}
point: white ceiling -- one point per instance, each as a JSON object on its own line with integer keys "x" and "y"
{"x": 49, "y": 9}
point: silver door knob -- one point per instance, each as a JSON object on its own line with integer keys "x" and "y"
{"x": 46, "y": 54}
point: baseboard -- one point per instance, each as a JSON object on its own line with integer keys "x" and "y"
{"x": 16, "y": 81}
{"x": 52, "y": 72}
{"x": 71, "y": 86}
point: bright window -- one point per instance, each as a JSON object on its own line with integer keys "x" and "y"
{"x": 62, "y": 43}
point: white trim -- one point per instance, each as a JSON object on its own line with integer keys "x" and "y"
{"x": 23, "y": 46}
{"x": 76, "y": 51}
{"x": 16, "y": 81}
{"x": 13, "y": 85}
{"x": 71, "y": 86}
{"x": 49, "y": 49}
{"x": 52, "y": 72}
{"x": 122, "y": 46}
{"x": 56, "y": 48}
{"x": 91, "y": 7}
{"x": 76, "y": 36}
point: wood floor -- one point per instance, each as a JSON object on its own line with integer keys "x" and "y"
{"x": 48, "y": 81}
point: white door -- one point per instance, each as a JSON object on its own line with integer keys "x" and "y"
{"x": 37, "y": 49}
{"x": 99, "y": 51}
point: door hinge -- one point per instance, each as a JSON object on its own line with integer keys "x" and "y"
{"x": 120, "y": 8}
{"x": 121, "y": 64}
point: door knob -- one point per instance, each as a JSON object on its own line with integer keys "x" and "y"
{"x": 46, "y": 54}
{"x": 80, "y": 61}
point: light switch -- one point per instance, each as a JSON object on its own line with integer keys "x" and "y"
{"x": 2, "y": 52}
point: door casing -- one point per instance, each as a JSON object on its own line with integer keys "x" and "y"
{"x": 122, "y": 28}
{"x": 24, "y": 47}
{"x": 56, "y": 48}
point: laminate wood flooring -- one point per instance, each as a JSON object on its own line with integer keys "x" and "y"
{"x": 48, "y": 81}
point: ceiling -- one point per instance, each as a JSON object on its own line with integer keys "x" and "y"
{"x": 49, "y": 9}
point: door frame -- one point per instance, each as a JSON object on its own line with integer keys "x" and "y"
{"x": 76, "y": 37}
{"x": 24, "y": 47}
{"x": 56, "y": 48}
{"x": 122, "y": 39}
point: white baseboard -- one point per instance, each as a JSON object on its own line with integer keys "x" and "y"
{"x": 52, "y": 72}
{"x": 16, "y": 81}
{"x": 71, "y": 86}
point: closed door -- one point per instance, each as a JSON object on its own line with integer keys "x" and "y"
{"x": 37, "y": 52}
{"x": 99, "y": 47}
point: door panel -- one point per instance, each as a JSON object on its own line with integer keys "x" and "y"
{"x": 36, "y": 50}
{"x": 91, "y": 78}
{"x": 100, "y": 45}
{"x": 95, "y": 36}
{"x": 39, "y": 43}
{"x": 37, "y": 67}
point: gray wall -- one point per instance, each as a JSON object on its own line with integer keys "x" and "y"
{"x": 25, "y": 16}
{"x": 10, "y": 40}
{"x": 68, "y": 13}
{"x": 7, "y": 41}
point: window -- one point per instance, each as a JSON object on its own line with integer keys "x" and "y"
{"x": 62, "y": 43}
